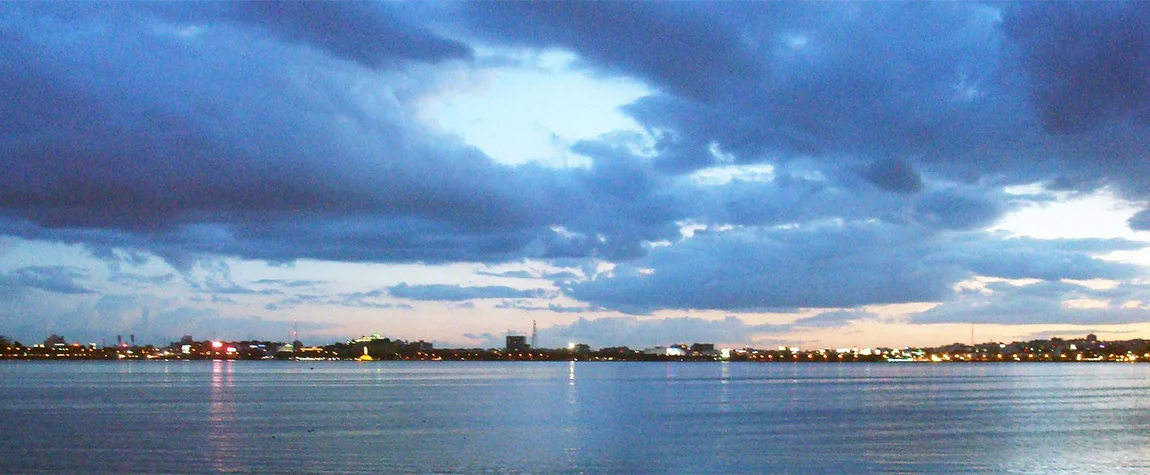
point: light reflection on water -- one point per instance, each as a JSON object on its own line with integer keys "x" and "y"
{"x": 573, "y": 417}
{"x": 222, "y": 434}
{"x": 571, "y": 435}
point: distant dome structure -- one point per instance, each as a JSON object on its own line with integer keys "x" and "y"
{"x": 365, "y": 356}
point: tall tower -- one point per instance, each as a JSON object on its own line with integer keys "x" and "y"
{"x": 534, "y": 336}
{"x": 295, "y": 343}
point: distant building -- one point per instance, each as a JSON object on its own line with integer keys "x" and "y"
{"x": 54, "y": 340}
{"x": 704, "y": 349}
{"x": 368, "y": 338}
{"x": 517, "y": 343}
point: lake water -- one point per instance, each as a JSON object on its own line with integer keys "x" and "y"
{"x": 508, "y": 417}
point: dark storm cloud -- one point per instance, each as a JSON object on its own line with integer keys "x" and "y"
{"x": 835, "y": 265}
{"x": 622, "y": 202}
{"x": 1089, "y": 83}
{"x": 1140, "y": 221}
{"x": 460, "y": 293}
{"x": 797, "y": 193}
{"x": 188, "y": 113}
{"x": 117, "y": 258}
{"x": 818, "y": 266}
{"x": 372, "y": 33}
{"x": 284, "y": 131}
{"x": 957, "y": 89}
{"x": 678, "y": 46}
{"x": 1039, "y": 303}
{"x": 184, "y": 147}
{"x": 1088, "y": 62}
{"x": 897, "y": 176}
{"x": 55, "y": 279}
{"x": 897, "y": 81}
{"x": 805, "y": 191}
{"x": 948, "y": 209}
{"x": 1046, "y": 259}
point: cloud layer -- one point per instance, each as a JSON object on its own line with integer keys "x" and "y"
{"x": 865, "y": 148}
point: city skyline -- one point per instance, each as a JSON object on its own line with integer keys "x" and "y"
{"x": 1080, "y": 349}
{"x": 846, "y": 174}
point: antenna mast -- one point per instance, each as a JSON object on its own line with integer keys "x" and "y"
{"x": 534, "y": 336}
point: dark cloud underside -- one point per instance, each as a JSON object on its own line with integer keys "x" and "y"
{"x": 294, "y": 130}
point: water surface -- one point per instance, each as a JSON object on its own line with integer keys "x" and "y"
{"x": 532, "y": 417}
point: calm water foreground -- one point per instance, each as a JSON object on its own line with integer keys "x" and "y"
{"x": 506, "y": 417}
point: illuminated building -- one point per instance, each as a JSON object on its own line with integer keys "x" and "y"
{"x": 516, "y": 343}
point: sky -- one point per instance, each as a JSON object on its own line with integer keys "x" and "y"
{"x": 822, "y": 174}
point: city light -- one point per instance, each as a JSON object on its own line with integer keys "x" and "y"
{"x": 1041, "y": 350}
